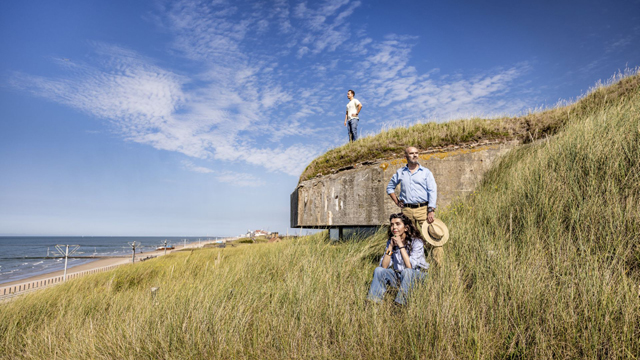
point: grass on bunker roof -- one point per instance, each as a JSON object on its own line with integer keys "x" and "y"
{"x": 391, "y": 143}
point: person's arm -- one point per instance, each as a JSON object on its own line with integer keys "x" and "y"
{"x": 359, "y": 109}
{"x": 386, "y": 257}
{"x": 391, "y": 187}
{"x": 403, "y": 251}
{"x": 431, "y": 216}
{"x": 395, "y": 200}
{"x": 417, "y": 254}
{"x": 346, "y": 116}
{"x": 432, "y": 193}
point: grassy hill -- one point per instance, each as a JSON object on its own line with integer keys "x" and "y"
{"x": 543, "y": 262}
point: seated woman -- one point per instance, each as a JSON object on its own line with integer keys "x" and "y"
{"x": 403, "y": 262}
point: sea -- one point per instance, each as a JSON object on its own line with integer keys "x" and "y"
{"x": 22, "y": 257}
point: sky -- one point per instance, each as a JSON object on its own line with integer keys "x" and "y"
{"x": 196, "y": 118}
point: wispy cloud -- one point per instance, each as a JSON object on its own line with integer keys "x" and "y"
{"x": 326, "y": 26}
{"x": 229, "y": 177}
{"x": 242, "y": 98}
{"x": 240, "y": 179}
{"x": 409, "y": 94}
{"x": 122, "y": 86}
{"x": 189, "y": 165}
{"x": 619, "y": 43}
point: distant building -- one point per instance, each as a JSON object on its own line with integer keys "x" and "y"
{"x": 256, "y": 233}
{"x": 259, "y": 233}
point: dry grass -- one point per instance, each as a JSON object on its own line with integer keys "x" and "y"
{"x": 391, "y": 144}
{"x": 543, "y": 262}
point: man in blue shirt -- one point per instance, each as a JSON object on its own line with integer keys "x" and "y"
{"x": 418, "y": 194}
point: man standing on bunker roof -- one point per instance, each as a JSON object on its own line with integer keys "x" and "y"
{"x": 352, "y": 118}
{"x": 418, "y": 195}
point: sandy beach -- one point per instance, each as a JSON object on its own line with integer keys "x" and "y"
{"x": 100, "y": 263}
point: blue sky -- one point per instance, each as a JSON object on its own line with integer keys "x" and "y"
{"x": 196, "y": 118}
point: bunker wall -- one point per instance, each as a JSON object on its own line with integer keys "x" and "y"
{"x": 357, "y": 197}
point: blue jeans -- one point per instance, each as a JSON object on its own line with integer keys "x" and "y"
{"x": 352, "y": 127}
{"x": 383, "y": 277}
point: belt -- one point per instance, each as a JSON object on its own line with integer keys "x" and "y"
{"x": 414, "y": 206}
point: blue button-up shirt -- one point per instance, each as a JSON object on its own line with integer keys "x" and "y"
{"x": 415, "y": 188}
{"x": 416, "y": 257}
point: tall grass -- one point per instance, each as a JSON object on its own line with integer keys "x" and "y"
{"x": 543, "y": 262}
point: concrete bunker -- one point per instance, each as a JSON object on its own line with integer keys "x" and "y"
{"x": 356, "y": 198}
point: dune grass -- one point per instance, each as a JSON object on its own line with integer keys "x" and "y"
{"x": 527, "y": 128}
{"x": 543, "y": 262}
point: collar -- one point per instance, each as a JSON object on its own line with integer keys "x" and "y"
{"x": 406, "y": 167}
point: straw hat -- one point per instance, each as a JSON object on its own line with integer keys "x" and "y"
{"x": 436, "y": 233}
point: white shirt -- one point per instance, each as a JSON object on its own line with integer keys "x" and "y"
{"x": 352, "y": 108}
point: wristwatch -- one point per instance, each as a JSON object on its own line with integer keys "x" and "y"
{"x": 431, "y": 209}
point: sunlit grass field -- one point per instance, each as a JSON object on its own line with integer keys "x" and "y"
{"x": 543, "y": 262}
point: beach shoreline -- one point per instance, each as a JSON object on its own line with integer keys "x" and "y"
{"x": 104, "y": 262}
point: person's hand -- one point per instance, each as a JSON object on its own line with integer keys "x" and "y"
{"x": 345, "y": 123}
{"x": 431, "y": 217}
{"x": 390, "y": 247}
{"x": 397, "y": 240}
{"x": 400, "y": 204}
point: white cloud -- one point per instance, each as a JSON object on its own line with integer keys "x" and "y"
{"x": 326, "y": 26}
{"x": 390, "y": 82}
{"x": 280, "y": 10}
{"x": 291, "y": 160}
{"x": 619, "y": 44}
{"x": 300, "y": 11}
{"x": 240, "y": 179}
{"x": 189, "y": 165}
{"x": 230, "y": 177}
{"x": 246, "y": 100}
{"x": 263, "y": 25}
{"x": 302, "y": 51}
{"x": 123, "y": 87}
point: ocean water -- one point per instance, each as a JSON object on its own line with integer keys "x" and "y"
{"x": 23, "y": 257}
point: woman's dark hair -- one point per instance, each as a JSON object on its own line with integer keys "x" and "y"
{"x": 412, "y": 231}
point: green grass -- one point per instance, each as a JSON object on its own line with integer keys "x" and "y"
{"x": 390, "y": 144}
{"x": 543, "y": 262}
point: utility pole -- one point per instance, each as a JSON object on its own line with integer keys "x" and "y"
{"x": 133, "y": 248}
{"x": 66, "y": 254}
{"x": 66, "y": 258}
